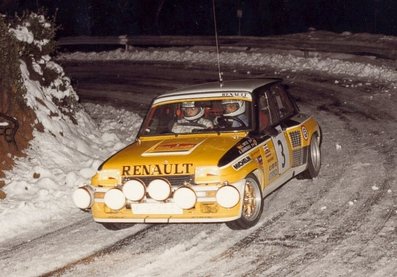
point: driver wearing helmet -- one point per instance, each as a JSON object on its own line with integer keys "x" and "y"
{"x": 192, "y": 119}
{"x": 233, "y": 114}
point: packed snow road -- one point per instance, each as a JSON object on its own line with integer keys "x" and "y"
{"x": 342, "y": 223}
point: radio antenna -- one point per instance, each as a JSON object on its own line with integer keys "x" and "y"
{"x": 217, "y": 45}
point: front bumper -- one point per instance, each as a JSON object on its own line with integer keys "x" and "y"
{"x": 206, "y": 208}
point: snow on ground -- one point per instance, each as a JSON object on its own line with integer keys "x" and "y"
{"x": 65, "y": 156}
{"x": 331, "y": 65}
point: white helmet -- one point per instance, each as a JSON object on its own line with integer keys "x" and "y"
{"x": 238, "y": 111}
{"x": 192, "y": 105}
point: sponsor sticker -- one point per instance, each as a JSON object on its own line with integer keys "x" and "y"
{"x": 272, "y": 166}
{"x": 259, "y": 160}
{"x": 234, "y": 94}
{"x": 241, "y": 163}
{"x": 246, "y": 145}
{"x": 273, "y": 174}
{"x": 273, "y": 170}
{"x": 175, "y": 146}
{"x": 304, "y": 133}
{"x": 156, "y": 169}
{"x": 267, "y": 151}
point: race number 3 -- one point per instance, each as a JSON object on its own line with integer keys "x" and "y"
{"x": 282, "y": 151}
{"x": 280, "y": 144}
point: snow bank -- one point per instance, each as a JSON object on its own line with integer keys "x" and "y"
{"x": 330, "y": 66}
{"x": 63, "y": 156}
{"x": 39, "y": 187}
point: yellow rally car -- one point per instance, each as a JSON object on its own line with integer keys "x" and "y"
{"x": 206, "y": 153}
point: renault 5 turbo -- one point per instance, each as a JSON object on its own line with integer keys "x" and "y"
{"x": 206, "y": 153}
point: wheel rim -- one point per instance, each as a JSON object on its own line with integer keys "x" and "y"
{"x": 252, "y": 200}
{"x": 315, "y": 154}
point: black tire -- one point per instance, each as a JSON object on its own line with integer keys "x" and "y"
{"x": 116, "y": 226}
{"x": 313, "y": 159}
{"x": 252, "y": 205}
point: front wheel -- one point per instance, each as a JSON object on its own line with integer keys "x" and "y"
{"x": 252, "y": 205}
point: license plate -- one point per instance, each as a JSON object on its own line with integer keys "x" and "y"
{"x": 156, "y": 208}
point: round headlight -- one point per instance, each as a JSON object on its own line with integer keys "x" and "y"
{"x": 134, "y": 190}
{"x": 114, "y": 199}
{"x": 227, "y": 196}
{"x": 185, "y": 198}
{"x": 159, "y": 189}
{"x": 82, "y": 198}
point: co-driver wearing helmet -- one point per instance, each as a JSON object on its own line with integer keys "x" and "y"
{"x": 192, "y": 119}
{"x": 233, "y": 114}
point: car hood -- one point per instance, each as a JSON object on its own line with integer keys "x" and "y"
{"x": 171, "y": 156}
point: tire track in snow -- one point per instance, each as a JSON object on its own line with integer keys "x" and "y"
{"x": 136, "y": 235}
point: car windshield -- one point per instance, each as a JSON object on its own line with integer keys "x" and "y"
{"x": 186, "y": 117}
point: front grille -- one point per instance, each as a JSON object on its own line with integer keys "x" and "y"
{"x": 175, "y": 180}
{"x": 295, "y": 138}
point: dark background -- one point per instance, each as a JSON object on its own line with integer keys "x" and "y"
{"x": 195, "y": 17}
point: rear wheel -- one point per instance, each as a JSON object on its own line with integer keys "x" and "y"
{"x": 252, "y": 205}
{"x": 313, "y": 160}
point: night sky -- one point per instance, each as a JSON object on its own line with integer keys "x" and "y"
{"x": 194, "y": 17}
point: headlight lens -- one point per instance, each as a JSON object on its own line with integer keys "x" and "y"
{"x": 114, "y": 199}
{"x": 185, "y": 198}
{"x": 83, "y": 197}
{"x": 227, "y": 196}
{"x": 134, "y": 190}
{"x": 159, "y": 189}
